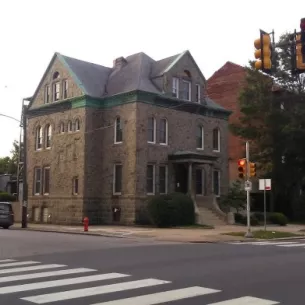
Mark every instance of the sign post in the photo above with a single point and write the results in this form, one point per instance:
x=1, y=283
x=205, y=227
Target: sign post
x=265, y=185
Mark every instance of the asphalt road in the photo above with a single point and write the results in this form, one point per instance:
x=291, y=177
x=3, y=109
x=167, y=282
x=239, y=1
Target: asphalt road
x=63, y=269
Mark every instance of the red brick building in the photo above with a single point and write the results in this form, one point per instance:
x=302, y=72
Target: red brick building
x=223, y=87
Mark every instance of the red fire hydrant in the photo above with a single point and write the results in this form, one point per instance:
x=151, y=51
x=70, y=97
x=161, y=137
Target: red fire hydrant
x=86, y=224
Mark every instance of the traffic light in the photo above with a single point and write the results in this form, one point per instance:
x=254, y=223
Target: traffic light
x=252, y=169
x=263, y=52
x=300, y=48
x=242, y=168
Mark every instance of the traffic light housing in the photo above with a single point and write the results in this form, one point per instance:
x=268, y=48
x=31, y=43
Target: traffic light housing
x=252, y=169
x=263, y=52
x=242, y=168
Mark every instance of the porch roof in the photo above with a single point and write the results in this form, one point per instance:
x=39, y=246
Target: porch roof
x=191, y=156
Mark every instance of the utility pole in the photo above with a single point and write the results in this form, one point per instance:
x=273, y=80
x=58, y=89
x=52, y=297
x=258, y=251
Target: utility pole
x=24, y=178
x=249, y=233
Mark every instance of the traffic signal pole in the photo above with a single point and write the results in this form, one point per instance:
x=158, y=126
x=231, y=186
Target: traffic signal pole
x=249, y=233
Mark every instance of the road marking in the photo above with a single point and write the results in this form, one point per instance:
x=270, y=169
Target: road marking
x=296, y=245
x=30, y=276
x=162, y=297
x=25, y=269
x=59, y=283
x=266, y=243
x=7, y=260
x=19, y=264
x=246, y=301
x=85, y=292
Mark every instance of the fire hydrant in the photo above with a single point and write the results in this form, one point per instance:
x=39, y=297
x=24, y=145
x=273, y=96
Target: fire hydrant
x=86, y=224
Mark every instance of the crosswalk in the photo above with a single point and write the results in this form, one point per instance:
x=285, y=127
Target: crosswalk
x=29, y=281
x=300, y=243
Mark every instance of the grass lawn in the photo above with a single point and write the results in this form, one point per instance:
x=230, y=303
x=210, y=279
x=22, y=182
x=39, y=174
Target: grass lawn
x=265, y=234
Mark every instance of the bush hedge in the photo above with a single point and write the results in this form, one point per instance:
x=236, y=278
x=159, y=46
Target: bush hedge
x=258, y=218
x=171, y=210
x=7, y=197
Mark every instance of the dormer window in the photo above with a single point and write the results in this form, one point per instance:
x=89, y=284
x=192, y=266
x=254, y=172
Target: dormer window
x=56, y=91
x=186, y=90
x=65, y=89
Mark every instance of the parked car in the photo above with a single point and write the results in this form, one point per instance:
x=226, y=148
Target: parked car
x=6, y=215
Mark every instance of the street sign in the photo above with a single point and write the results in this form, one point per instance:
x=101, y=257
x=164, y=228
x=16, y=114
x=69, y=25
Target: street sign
x=265, y=184
x=248, y=185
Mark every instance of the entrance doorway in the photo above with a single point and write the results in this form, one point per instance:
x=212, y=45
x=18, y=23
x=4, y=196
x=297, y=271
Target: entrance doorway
x=181, y=178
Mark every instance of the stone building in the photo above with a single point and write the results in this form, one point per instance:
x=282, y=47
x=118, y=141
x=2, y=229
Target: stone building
x=101, y=140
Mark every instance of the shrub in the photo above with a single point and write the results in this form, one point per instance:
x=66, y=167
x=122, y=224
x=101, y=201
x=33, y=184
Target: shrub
x=260, y=216
x=175, y=209
x=278, y=218
x=7, y=197
x=242, y=219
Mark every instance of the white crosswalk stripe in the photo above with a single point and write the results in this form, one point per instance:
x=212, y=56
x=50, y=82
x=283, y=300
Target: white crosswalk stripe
x=18, y=264
x=89, y=287
x=7, y=260
x=285, y=244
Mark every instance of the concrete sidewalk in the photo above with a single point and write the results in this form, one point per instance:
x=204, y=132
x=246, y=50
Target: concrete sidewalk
x=191, y=235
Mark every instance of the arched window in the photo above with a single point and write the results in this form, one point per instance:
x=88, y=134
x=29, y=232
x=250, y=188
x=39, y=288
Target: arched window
x=62, y=127
x=70, y=126
x=216, y=139
x=77, y=125
x=200, y=137
x=163, y=132
x=55, y=75
x=38, y=140
x=118, y=131
x=151, y=130
x=48, y=135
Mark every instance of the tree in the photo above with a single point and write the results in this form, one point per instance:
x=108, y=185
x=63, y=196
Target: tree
x=275, y=133
x=9, y=164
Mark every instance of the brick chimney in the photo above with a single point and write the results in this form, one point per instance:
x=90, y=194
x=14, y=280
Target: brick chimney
x=119, y=62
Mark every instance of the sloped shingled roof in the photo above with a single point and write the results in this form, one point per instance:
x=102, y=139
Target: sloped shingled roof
x=136, y=73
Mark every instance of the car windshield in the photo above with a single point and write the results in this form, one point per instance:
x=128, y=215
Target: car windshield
x=4, y=207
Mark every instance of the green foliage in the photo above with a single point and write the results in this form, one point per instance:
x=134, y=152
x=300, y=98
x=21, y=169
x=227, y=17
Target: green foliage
x=242, y=219
x=236, y=197
x=278, y=218
x=175, y=209
x=9, y=164
x=7, y=197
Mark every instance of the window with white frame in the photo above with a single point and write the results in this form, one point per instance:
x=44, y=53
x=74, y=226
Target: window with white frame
x=163, y=132
x=199, y=181
x=150, y=179
x=38, y=141
x=200, y=137
x=216, y=139
x=62, y=127
x=197, y=93
x=46, y=181
x=47, y=94
x=216, y=182
x=77, y=125
x=117, y=179
x=37, y=181
x=65, y=89
x=163, y=179
x=75, y=186
x=70, y=126
x=48, y=135
x=186, y=90
x=118, y=131
x=175, y=88
x=151, y=130
x=56, y=91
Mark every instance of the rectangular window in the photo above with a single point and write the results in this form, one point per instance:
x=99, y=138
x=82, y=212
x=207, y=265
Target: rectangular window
x=163, y=179
x=117, y=179
x=216, y=139
x=175, y=91
x=56, y=91
x=163, y=131
x=199, y=181
x=200, y=137
x=216, y=182
x=198, y=93
x=118, y=131
x=186, y=90
x=151, y=130
x=47, y=94
x=150, y=179
x=46, y=181
x=37, y=181
x=65, y=89
x=75, y=186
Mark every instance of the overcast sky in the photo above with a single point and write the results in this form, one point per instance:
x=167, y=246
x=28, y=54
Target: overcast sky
x=99, y=31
